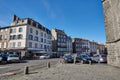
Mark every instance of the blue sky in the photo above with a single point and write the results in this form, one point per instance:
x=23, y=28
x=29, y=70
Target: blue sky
x=78, y=18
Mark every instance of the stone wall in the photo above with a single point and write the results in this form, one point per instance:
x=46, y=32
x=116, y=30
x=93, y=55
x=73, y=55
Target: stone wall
x=112, y=26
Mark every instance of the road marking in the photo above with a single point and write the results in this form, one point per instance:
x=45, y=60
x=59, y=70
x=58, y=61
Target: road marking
x=4, y=67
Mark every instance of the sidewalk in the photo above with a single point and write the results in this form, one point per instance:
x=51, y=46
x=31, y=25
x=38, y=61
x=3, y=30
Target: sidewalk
x=73, y=72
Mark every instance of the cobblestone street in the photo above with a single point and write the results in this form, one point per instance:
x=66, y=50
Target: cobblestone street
x=72, y=72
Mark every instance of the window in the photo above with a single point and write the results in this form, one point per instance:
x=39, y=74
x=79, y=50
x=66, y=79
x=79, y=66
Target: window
x=36, y=32
x=36, y=38
x=31, y=30
x=11, y=30
x=34, y=24
x=45, y=35
x=44, y=40
x=19, y=44
x=11, y=37
x=41, y=39
x=30, y=37
x=36, y=45
x=41, y=46
x=4, y=44
x=10, y=45
x=14, y=30
x=30, y=44
x=45, y=47
x=41, y=34
x=29, y=22
x=14, y=37
x=14, y=44
x=20, y=36
x=20, y=29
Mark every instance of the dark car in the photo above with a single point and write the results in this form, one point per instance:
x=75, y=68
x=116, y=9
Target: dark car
x=4, y=58
x=67, y=58
x=84, y=58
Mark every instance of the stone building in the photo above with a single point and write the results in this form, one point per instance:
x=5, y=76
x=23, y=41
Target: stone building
x=93, y=47
x=4, y=38
x=77, y=45
x=60, y=41
x=81, y=45
x=112, y=25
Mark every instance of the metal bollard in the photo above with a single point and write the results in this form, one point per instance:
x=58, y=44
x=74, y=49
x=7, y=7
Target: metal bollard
x=48, y=64
x=26, y=70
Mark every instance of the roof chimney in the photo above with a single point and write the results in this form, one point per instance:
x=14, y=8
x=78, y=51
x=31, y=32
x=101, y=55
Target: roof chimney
x=15, y=18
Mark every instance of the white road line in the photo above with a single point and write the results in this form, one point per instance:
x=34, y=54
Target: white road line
x=1, y=67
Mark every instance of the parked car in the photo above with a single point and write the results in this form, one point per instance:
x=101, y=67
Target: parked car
x=100, y=58
x=68, y=58
x=4, y=58
x=84, y=58
x=45, y=56
x=13, y=58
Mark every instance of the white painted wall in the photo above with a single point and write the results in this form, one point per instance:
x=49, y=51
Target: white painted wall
x=23, y=41
x=39, y=38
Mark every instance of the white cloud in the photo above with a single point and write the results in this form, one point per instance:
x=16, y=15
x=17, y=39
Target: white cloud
x=49, y=9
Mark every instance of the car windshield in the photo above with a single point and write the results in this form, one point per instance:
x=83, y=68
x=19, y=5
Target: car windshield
x=13, y=55
x=4, y=55
x=85, y=56
x=68, y=56
x=103, y=55
x=45, y=55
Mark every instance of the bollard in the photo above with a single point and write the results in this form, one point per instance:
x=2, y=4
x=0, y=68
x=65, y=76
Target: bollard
x=26, y=70
x=90, y=62
x=74, y=60
x=59, y=61
x=48, y=64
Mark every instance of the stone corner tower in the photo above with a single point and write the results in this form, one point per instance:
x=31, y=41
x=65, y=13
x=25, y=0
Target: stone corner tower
x=112, y=25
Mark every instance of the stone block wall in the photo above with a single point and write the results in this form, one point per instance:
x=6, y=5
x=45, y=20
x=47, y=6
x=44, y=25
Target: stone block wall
x=112, y=25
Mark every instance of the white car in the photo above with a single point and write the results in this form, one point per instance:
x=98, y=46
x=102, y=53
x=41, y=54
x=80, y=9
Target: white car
x=45, y=56
x=13, y=58
x=99, y=58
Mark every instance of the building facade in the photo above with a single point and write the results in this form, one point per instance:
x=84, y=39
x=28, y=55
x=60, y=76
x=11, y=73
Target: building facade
x=4, y=38
x=61, y=42
x=93, y=47
x=76, y=42
x=81, y=45
x=69, y=45
x=28, y=36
